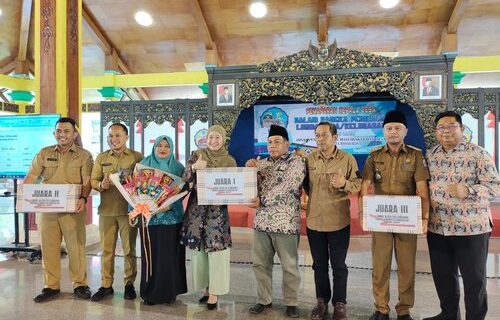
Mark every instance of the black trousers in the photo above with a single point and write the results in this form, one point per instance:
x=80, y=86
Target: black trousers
x=330, y=246
x=448, y=254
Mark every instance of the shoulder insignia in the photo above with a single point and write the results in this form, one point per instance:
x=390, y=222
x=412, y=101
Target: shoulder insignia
x=376, y=149
x=414, y=148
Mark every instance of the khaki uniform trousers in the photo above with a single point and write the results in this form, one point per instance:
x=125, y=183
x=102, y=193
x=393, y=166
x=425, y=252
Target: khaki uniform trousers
x=405, y=248
x=53, y=228
x=265, y=246
x=109, y=227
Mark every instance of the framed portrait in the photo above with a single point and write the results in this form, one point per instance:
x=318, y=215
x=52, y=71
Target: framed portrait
x=225, y=94
x=431, y=86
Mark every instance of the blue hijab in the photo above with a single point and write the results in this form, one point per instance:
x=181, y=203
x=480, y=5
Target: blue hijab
x=169, y=164
x=172, y=166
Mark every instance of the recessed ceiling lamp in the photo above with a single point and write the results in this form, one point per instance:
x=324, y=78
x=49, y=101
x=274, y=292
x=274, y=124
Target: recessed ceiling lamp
x=387, y=4
x=143, y=18
x=258, y=9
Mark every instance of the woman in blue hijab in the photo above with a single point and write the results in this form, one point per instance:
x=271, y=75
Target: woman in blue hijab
x=168, y=277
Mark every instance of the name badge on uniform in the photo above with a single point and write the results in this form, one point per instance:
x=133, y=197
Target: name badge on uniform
x=52, y=159
x=406, y=164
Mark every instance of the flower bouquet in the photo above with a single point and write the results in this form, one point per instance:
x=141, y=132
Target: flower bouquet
x=148, y=191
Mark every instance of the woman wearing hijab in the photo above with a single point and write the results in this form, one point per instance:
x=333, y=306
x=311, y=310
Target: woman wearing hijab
x=168, y=277
x=205, y=229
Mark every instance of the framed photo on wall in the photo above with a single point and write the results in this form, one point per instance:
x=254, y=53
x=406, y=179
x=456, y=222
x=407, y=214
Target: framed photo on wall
x=225, y=94
x=431, y=86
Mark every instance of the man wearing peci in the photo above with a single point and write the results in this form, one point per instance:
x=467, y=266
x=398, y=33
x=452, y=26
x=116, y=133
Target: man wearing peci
x=277, y=221
x=63, y=163
x=429, y=89
x=226, y=96
x=395, y=169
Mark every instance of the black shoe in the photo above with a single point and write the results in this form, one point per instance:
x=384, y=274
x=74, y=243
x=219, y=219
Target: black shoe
x=129, y=292
x=437, y=317
x=292, y=311
x=203, y=299
x=149, y=303
x=259, y=307
x=82, y=292
x=379, y=316
x=101, y=293
x=404, y=317
x=46, y=294
x=211, y=306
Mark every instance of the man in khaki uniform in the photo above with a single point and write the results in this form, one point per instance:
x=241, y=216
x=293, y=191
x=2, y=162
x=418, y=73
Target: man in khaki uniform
x=64, y=163
x=113, y=212
x=395, y=169
x=331, y=175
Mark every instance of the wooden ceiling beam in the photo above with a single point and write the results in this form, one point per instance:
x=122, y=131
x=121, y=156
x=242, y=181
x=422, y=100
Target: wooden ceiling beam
x=123, y=68
x=212, y=54
x=448, y=41
x=322, y=21
x=8, y=66
x=95, y=31
x=457, y=15
x=24, y=29
x=106, y=45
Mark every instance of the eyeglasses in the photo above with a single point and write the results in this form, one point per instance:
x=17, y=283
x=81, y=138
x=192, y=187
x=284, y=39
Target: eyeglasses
x=448, y=127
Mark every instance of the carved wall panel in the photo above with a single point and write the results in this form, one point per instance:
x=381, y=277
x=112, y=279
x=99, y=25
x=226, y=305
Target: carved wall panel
x=322, y=90
x=473, y=110
x=426, y=115
x=227, y=119
x=325, y=74
x=325, y=58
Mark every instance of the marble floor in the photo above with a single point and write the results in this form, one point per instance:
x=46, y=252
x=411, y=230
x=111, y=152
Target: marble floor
x=21, y=280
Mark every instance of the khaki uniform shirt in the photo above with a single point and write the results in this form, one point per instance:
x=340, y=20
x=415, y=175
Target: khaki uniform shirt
x=396, y=175
x=328, y=208
x=112, y=202
x=56, y=167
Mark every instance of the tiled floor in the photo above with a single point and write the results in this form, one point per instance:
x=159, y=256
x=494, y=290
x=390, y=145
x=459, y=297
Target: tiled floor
x=20, y=281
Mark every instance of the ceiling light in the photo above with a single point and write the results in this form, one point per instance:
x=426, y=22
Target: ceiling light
x=143, y=18
x=0, y=12
x=258, y=9
x=387, y=4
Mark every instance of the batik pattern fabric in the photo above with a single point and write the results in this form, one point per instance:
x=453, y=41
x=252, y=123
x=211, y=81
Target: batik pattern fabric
x=205, y=227
x=468, y=164
x=279, y=184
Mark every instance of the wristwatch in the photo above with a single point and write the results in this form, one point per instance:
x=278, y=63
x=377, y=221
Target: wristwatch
x=84, y=198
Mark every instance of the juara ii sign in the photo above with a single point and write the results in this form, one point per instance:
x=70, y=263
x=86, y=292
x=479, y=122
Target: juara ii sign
x=48, y=197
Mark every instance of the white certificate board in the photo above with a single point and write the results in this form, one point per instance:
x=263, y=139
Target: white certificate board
x=219, y=186
x=397, y=214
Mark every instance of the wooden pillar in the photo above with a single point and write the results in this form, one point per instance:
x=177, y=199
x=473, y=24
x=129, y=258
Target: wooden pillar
x=58, y=56
x=73, y=58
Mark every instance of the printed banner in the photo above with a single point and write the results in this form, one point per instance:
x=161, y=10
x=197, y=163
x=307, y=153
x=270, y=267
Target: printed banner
x=359, y=124
x=48, y=197
x=398, y=214
x=219, y=186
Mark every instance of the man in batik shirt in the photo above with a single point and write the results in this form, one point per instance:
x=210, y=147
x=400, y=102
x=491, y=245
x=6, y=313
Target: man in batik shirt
x=277, y=220
x=463, y=181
